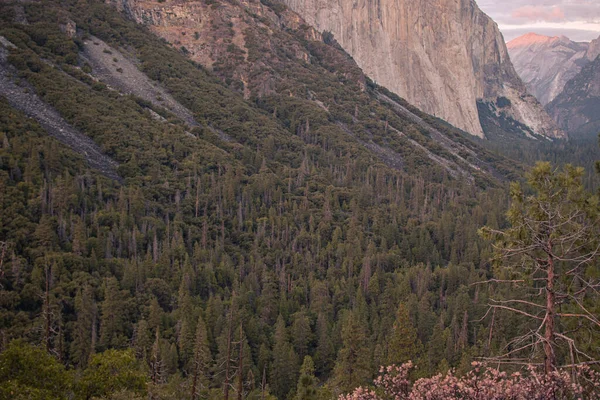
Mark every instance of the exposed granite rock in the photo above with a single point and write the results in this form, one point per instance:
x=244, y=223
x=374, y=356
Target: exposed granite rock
x=593, y=49
x=546, y=64
x=116, y=69
x=69, y=28
x=442, y=56
x=577, y=108
x=218, y=35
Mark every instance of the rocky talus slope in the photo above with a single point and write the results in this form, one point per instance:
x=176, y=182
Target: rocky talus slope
x=443, y=56
x=23, y=98
x=546, y=64
x=115, y=69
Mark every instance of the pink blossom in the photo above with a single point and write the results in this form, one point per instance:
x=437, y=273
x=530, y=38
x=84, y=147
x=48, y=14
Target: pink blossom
x=482, y=383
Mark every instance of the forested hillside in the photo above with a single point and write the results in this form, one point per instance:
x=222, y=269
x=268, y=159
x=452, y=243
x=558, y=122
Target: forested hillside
x=278, y=245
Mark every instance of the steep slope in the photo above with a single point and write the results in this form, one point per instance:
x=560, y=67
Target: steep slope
x=115, y=69
x=577, y=108
x=266, y=51
x=443, y=56
x=21, y=97
x=546, y=64
x=302, y=201
x=593, y=49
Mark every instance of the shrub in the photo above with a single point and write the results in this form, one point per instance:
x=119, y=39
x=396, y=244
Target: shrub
x=482, y=383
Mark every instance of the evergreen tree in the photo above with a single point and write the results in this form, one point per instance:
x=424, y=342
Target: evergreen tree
x=353, y=365
x=404, y=345
x=84, y=331
x=202, y=360
x=284, y=368
x=549, y=256
x=301, y=334
x=325, y=352
x=306, y=389
x=112, y=323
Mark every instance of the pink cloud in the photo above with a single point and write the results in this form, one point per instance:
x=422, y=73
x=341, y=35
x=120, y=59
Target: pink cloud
x=539, y=13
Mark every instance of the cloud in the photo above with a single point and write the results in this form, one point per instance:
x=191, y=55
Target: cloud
x=538, y=13
x=508, y=11
x=577, y=18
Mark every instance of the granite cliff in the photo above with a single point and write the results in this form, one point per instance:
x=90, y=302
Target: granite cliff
x=546, y=64
x=263, y=50
x=443, y=56
x=577, y=108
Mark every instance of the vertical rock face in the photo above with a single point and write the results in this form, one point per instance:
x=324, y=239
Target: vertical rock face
x=593, y=50
x=546, y=64
x=443, y=56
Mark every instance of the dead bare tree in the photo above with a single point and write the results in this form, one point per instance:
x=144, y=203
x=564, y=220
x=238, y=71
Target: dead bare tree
x=201, y=358
x=3, y=250
x=157, y=365
x=546, y=257
x=228, y=359
x=240, y=388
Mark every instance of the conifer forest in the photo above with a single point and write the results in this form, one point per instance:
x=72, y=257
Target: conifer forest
x=172, y=231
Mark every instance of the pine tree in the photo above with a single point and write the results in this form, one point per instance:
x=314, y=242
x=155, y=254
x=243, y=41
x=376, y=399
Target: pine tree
x=202, y=359
x=306, y=388
x=550, y=252
x=353, y=365
x=84, y=332
x=142, y=339
x=285, y=362
x=112, y=324
x=404, y=345
x=301, y=334
x=325, y=352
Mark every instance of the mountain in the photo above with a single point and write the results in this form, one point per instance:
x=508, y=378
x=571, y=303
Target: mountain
x=546, y=64
x=443, y=56
x=577, y=107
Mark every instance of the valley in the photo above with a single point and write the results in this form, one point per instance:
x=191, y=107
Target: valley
x=217, y=199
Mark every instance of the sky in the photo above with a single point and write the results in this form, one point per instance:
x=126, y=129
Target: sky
x=579, y=20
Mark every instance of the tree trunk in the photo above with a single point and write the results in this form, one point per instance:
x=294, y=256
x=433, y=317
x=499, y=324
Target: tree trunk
x=241, y=366
x=195, y=380
x=228, y=360
x=550, y=357
x=264, y=383
x=47, y=311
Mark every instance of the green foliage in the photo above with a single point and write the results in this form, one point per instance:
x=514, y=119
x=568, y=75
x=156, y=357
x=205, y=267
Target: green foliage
x=28, y=372
x=284, y=369
x=353, y=365
x=306, y=389
x=404, y=344
x=551, y=248
x=279, y=199
x=113, y=372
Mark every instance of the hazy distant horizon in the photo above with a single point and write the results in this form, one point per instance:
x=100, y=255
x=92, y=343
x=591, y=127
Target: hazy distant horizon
x=578, y=22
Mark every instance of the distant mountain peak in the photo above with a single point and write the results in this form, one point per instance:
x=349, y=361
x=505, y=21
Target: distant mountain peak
x=547, y=63
x=533, y=38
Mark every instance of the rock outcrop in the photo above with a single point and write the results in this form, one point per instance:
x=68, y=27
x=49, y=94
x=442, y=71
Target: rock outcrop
x=222, y=36
x=546, y=64
x=577, y=108
x=444, y=56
